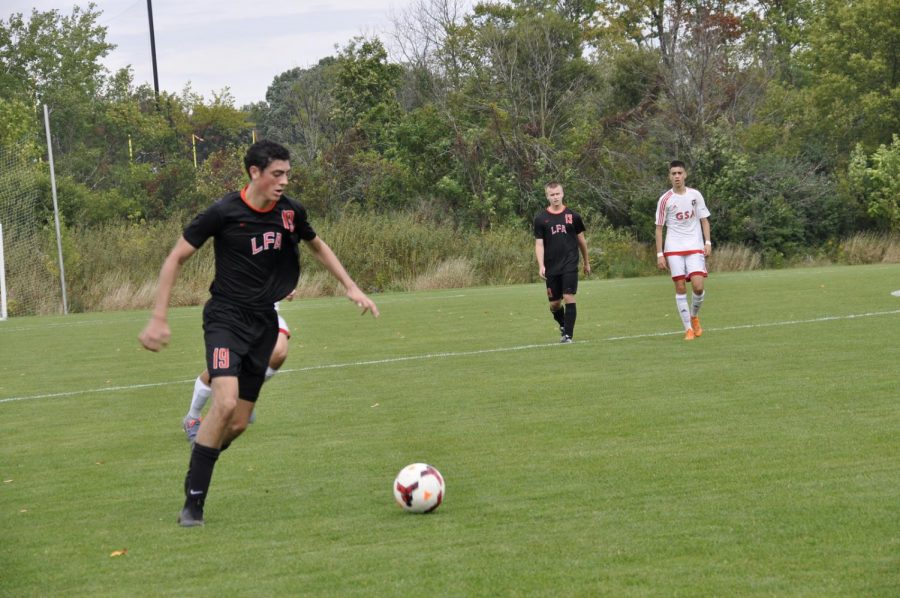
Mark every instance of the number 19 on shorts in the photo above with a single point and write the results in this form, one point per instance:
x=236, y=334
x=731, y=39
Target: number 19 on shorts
x=220, y=358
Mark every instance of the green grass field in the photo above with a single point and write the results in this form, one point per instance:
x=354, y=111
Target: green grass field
x=760, y=459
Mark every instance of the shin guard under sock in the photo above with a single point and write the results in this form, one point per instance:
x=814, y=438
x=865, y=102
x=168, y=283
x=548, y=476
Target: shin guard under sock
x=199, y=474
x=571, y=314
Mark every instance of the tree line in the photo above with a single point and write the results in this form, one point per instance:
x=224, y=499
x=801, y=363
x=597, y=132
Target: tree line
x=787, y=112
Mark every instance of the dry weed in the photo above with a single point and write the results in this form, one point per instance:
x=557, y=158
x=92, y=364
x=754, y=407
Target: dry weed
x=455, y=273
x=734, y=258
x=865, y=248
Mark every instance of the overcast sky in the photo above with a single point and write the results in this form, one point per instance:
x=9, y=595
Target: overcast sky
x=239, y=44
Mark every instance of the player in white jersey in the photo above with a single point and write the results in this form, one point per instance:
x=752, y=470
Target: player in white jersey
x=683, y=212
x=202, y=389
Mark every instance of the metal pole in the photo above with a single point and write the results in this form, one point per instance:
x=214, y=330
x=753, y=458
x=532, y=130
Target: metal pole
x=153, y=51
x=3, y=314
x=62, y=270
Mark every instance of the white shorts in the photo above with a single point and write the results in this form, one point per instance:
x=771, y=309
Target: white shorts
x=685, y=267
x=283, y=327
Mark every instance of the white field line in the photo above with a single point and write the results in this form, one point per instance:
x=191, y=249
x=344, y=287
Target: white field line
x=462, y=354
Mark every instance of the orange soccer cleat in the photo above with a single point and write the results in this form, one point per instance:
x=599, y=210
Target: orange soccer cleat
x=695, y=325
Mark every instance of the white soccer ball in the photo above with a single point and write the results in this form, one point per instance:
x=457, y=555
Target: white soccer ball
x=419, y=488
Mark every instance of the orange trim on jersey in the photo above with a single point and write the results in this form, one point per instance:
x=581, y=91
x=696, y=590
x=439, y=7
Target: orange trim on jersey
x=686, y=252
x=249, y=205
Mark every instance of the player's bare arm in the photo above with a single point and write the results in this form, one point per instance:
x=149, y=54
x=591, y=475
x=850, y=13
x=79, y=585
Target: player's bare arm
x=539, y=254
x=585, y=257
x=327, y=258
x=660, y=258
x=707, y=239
x=156, y=333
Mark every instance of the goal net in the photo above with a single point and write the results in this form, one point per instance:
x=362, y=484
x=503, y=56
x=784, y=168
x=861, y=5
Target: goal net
x=28, y=264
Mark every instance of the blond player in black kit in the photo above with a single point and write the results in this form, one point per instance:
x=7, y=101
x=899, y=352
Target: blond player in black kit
x=256, y=234
x=558, y=239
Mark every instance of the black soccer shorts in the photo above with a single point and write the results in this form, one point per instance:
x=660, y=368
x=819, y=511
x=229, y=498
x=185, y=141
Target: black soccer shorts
x=239, y=343
x=562, y=284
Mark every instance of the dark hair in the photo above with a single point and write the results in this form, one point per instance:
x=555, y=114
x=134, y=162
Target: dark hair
x=677, y=164
x=262, y=153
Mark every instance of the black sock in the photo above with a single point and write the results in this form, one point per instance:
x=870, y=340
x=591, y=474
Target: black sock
x=559, y=316
x=571, y=314
x=199, y=475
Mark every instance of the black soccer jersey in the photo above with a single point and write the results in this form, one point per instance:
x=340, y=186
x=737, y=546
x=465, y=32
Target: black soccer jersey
x=257, y=253
x=560, y=235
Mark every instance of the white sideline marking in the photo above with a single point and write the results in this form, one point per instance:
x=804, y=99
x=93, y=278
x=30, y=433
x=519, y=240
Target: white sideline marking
x=766, y=325
x=462, y=354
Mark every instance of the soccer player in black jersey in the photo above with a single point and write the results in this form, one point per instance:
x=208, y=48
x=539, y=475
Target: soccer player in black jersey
x=256, y=234
x=558, y=238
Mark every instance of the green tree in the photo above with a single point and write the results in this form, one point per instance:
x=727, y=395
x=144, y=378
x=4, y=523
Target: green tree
x=511, y=106
x=854, y=61
x=17, y=127
x=844, y=87
x=222, y=172
x=53, y=59
x=366, y=90
x=875, y=182
x=299, y=108
x=219, y=124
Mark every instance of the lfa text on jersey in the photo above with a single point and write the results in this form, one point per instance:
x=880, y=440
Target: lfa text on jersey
x=270, y=240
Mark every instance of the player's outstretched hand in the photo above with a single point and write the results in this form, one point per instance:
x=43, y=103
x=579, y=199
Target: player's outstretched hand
x=155, y=334
x=362, y=300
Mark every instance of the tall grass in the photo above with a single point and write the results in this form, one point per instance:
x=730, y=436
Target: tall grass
x=870, y=248
x=734, y=258
x=617, y=254
x=115, y=266
x=454, y=273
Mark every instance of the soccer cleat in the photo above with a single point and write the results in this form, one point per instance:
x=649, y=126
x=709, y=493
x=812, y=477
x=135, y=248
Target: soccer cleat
x=191, y=425
x=695, y=325
x=190, y=517
x=565, y=340
x=562, y=330
x=689, y=335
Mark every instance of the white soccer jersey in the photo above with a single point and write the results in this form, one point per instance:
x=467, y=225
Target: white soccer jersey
x=681, y=215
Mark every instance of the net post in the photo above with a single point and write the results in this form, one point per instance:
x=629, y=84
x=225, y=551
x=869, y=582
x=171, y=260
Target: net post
x=62, y=269
x=3, y=312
